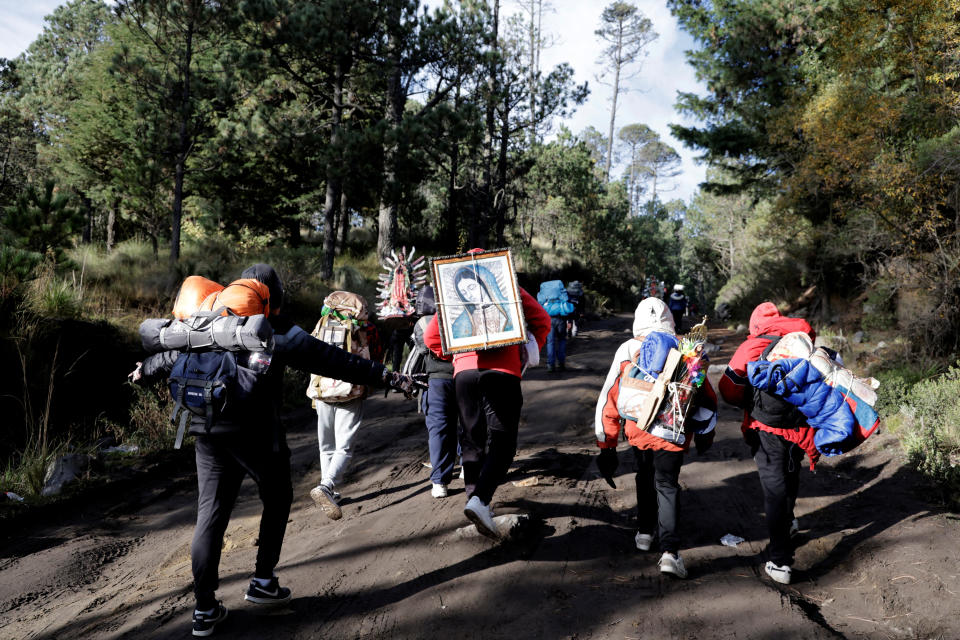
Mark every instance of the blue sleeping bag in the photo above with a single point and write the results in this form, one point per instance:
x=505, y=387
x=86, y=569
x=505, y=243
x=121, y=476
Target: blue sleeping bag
x=799, y=383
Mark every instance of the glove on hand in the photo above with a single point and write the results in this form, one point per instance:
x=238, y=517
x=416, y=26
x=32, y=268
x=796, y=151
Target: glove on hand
x=407, y=385
x=607, y=463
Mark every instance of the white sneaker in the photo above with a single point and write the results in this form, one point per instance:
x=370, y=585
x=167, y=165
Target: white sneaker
x=463, y=475
x=778, y=573
x=672, y=564
x=439, y=490
x=643, y=540
x=481, y=516
x=324, y=497
x=794, y=527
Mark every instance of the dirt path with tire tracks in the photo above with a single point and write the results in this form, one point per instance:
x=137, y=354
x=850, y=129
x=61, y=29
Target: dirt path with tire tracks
x=876, y=558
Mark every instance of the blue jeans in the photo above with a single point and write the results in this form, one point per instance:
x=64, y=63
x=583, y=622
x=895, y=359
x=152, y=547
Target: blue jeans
x=557, y=341
x=442, y=415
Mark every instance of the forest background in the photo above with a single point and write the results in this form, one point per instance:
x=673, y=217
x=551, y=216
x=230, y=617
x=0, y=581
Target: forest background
x=147, y=140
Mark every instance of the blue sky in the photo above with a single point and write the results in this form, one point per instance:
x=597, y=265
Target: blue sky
x=652, y=92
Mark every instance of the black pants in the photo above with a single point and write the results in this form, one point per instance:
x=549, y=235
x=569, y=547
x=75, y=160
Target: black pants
x=778, y=463
x=222, y=462
x=489, y=403
x=658, y=490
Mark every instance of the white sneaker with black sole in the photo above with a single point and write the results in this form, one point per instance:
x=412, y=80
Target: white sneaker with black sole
x=781, y=574
x=643, y=541
x=438, y=490
x=328, y=501
x=672, y=564
x=272, y=593
x=482, y=517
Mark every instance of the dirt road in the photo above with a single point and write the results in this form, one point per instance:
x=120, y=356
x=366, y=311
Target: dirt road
x=876, y=559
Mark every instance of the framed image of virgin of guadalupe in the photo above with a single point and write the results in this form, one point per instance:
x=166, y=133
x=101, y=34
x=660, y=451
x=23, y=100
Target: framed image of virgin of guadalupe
x=478, y=301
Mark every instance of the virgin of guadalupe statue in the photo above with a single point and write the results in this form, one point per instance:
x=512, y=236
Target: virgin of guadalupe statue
x=484, y=310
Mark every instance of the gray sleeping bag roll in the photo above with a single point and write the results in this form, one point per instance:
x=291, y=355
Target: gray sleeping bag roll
x=207, y=331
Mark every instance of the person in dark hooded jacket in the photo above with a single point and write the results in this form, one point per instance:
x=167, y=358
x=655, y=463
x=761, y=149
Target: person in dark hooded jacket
x=776, y=431
x=256, y=445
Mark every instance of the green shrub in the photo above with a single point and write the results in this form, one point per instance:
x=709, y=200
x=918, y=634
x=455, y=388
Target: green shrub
x=930, y=431
x=895, y=385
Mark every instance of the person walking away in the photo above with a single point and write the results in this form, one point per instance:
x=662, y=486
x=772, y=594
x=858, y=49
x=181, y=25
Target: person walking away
x=553, y=298
x=440, y=401
x=254, y=443
x=678, y=306
x=489, y=399
x=658, y=457
x=576, y=297
x=344, y=323
x=776, y=431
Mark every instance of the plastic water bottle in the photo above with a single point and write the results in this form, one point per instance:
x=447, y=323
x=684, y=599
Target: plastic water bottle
x=258, y=361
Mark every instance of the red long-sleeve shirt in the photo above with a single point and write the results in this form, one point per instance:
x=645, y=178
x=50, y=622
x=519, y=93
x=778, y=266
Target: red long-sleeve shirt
x=504, y=359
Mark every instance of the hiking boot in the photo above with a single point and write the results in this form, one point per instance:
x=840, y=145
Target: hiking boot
x=643, y=540
x=439, y=490
x=205, y=621
x=672, y=564
x=778, y=573
x=324, y=497
x=482, y=517
x=273, y=593
x=794, y=527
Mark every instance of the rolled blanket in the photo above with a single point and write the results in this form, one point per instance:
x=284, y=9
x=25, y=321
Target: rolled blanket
x=206, y=331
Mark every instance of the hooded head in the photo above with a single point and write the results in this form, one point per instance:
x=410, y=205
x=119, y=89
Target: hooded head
x=652, y=314
x=267, y=275
x=766, y=319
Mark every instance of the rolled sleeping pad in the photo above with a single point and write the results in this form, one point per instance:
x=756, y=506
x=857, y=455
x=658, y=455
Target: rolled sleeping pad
x=204, y=331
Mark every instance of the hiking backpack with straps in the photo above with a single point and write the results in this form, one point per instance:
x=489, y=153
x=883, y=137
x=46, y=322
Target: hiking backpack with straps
x=643, y=379
x=553, y=297
x=213, y=385
x=343, y=324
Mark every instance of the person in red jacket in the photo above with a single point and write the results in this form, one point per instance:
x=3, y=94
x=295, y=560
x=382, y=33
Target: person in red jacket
x=487, y=385
x=658, y=460
x=776, y=431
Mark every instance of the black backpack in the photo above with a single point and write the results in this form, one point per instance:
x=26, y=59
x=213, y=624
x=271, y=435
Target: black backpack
x=214, y=385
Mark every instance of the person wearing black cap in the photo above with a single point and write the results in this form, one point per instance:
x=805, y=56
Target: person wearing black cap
x=256, y=444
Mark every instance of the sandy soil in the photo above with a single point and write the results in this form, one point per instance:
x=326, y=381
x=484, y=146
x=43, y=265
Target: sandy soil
x=876, y=558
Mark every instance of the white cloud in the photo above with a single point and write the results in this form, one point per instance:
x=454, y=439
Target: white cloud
x=652, y=92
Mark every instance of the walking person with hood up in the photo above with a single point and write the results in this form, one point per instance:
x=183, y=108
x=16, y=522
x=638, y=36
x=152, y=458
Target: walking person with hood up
x=487, y=385
x=658, y=457
x=254, y=443
x=678, y=306
x=776, y=431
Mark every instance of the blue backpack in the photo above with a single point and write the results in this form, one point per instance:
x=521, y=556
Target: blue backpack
x=638, y=378
x=214, y=385
x=553, y=298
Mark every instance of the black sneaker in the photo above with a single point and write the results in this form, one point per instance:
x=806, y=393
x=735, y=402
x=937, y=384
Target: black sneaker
x=270, y=594
x=203, y=622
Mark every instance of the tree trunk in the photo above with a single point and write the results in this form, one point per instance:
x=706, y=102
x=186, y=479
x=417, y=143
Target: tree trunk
x=344, y=221
x=396, y=98
x=500, y=196
x=111, y=223
x=331, y=204
x=613, y=104
x=183, y=148
x=493, y=97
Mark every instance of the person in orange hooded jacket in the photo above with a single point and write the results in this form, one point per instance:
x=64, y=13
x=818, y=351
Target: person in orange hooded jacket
x=658, y=460
x=778, y=434
x=488, y=396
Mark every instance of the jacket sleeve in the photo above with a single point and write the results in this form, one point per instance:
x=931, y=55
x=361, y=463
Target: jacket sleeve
x=431, y=336
x=536, y=317
x=157, y=366
x=734, y=385
x=305, y=353
x=623, y=353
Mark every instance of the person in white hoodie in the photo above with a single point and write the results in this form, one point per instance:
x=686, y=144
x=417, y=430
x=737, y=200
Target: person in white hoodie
x=658, y=459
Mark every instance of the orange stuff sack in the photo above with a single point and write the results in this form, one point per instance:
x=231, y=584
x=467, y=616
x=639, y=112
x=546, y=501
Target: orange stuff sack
x=244, y=297
x=193, y=292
